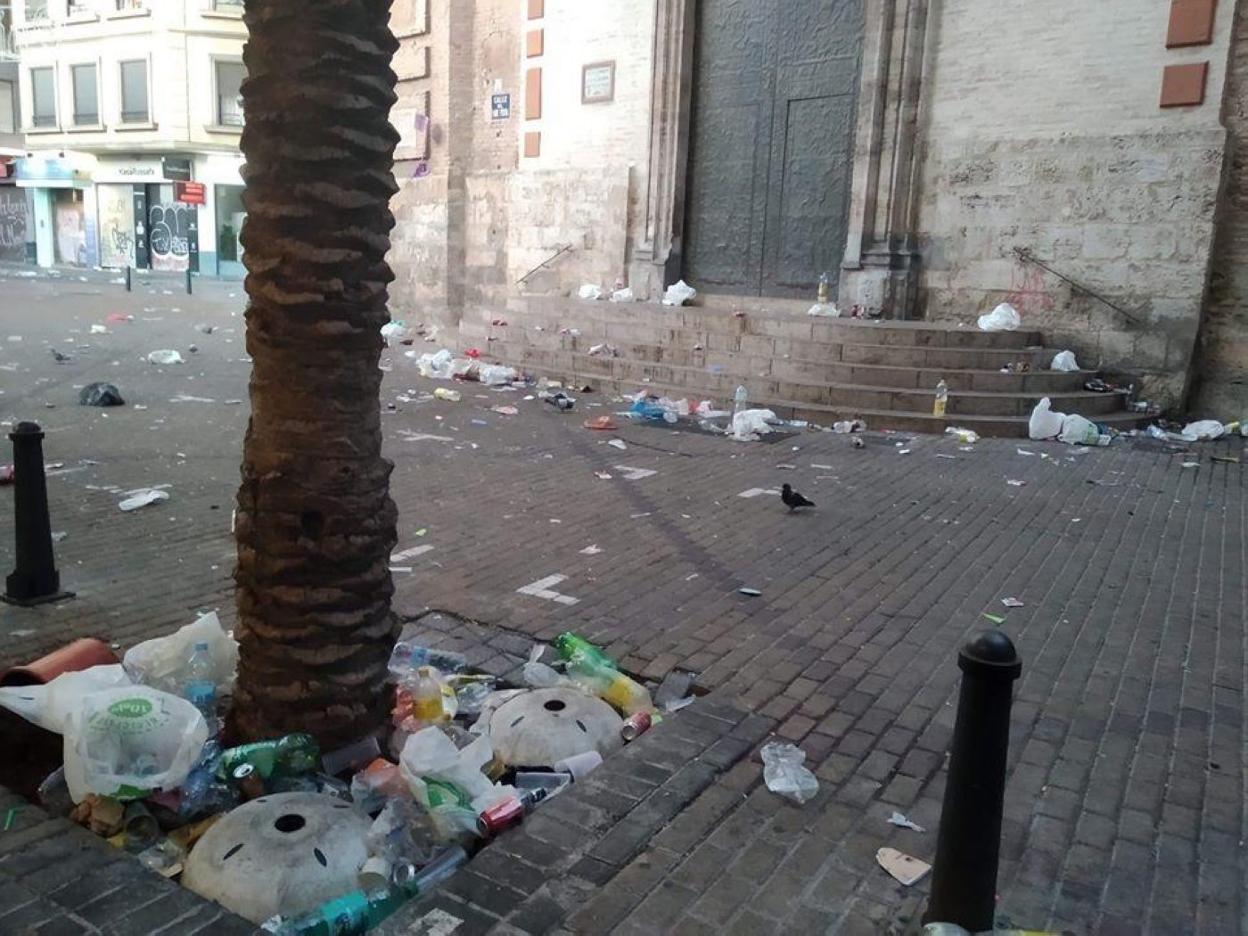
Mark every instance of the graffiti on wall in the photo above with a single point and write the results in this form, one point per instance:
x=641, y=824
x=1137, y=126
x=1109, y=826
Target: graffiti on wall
x=116, y=225
x=71, y=237
x=12, y=224
x=169, y=235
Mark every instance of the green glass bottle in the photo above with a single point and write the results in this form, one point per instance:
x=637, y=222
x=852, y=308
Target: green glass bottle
x=287, y=756
x=573, y=648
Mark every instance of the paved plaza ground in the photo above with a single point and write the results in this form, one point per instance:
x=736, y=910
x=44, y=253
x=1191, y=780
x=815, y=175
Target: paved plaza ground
x=1125, y=800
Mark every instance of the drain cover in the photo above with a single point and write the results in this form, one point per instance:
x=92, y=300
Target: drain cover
x=537, y=727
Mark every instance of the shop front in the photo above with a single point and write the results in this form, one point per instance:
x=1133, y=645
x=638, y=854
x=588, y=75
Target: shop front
x=141, y=221
x=64, y=208
x=223, y=212
x=13, y=214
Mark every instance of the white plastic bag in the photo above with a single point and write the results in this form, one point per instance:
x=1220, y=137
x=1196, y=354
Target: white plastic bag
x=1077, y=430
x=679, y=293
x=784, y=773
x=590, y=291
x=1045, y=424
x=438, y=366
x=496, y=375
x=128, y=742
x=825, y=310
x=623, y=295
x=1205, y=430
x=49, y=706
x=447, y=781
x=1003, y=318
x=393, y=330
x=164, y=357
x=1064, y=361
x=748, y=425
x=143, y=498
x=161, y=662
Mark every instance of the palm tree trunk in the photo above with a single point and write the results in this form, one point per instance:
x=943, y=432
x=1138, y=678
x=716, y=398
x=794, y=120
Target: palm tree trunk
x=315, y=523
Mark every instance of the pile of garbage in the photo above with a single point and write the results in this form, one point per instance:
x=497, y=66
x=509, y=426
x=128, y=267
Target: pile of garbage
x=741, y=423
x=304, y=841
x=443, y=365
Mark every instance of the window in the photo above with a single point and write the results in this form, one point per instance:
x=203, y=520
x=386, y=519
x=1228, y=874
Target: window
x=36, y=10
x=43, y=97
x=230, y=77
x=8, y=108
x=134, y=92
x=228, y=6
x=131, y=4
x=86, y=95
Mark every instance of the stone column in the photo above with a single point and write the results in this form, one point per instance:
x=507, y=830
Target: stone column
x=656, y=258
x=881, y=260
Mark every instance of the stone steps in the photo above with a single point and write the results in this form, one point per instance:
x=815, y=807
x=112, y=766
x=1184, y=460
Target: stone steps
x=805, y=368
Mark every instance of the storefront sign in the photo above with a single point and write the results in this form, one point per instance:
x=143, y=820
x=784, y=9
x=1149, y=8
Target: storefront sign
x=45, y=172
x=500, y=106
x=190, y=193
x=176, y=168
x=128, y=171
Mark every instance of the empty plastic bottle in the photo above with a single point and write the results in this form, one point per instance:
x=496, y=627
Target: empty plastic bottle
x=942, y=399
x=286, y=756
x=408, y=657
x=200, y=688
x=570, y=646
x=825, y=288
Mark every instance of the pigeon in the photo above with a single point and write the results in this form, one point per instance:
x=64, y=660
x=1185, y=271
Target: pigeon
x=60, y=358
x=793, y=500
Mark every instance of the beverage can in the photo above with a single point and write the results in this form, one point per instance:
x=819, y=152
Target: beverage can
x=635, y=726
x=501, y=816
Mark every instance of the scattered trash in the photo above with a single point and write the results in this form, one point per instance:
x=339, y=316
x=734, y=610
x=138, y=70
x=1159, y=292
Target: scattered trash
x=784, y=773
x=100, y=394
x=601, y=423
x=164, y=357
x=590, y=291
x=906, y=869
x=1191, y=464
x=824, y=310
x=619, y=444
x=1003, y=318
x=1014, y=483
x=1205, y=430
x=209, y=329
x=1224, y=459
x=679, y=294
x=391, y=330
x=505, y=410
x=898, y=819
x=1096, y=385
x=846, y=426
x=1044, y=422
x=1012, y=603
x=143, y=498
x=749, y=592
x=609, y=350
x=560, y=400
x=1078, y=430
x=749, y=424
x=1064, y=361
x=450, y=396
x=162, y=663
x=995, y=618
x=591, y=550
x=857, y=443
x=603, y=475
x=964, y=436
x=118, y=318
x=623, y=295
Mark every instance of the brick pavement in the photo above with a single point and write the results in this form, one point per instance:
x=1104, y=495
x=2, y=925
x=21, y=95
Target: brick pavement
x=1124, y=809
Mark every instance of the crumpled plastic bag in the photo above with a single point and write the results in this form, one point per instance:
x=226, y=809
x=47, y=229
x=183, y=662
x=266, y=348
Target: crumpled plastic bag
x=100, y=394
x=439, y=366
x=496, y=375
x=1045, y=423
x=748, y=425
x=1003, y=318
x=590, y=291
x=1064, y=361
x=49, y=706
x=1078, y=430
x=164, y=356
x=129, y=742
x=784, y=773
x=1204, y=430
x=679, y=293
x=161, y=662
x=447, y=781
x=824, y=310
x=539, y=675
x=623, y=295
x=393, y=330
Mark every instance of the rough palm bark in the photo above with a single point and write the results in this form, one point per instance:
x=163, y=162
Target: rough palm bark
x=315, y=523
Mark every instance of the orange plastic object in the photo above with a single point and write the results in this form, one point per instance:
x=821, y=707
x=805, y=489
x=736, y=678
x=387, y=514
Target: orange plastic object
x=81, y=654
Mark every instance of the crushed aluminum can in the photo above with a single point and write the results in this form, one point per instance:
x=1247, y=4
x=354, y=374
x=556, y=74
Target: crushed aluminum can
x=635, y=726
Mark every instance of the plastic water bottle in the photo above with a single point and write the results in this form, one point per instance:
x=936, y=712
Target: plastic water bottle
x=200, y=688
x=825, y=284
x=740, y=400
x=942, y=399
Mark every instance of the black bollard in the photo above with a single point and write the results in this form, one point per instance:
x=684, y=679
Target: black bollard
x=35, y=580
x=127, y=278
x=964, y=876
x=188, y=282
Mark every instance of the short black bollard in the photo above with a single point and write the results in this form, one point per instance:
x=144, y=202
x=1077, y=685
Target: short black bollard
x=35, y=580
x=188, y=282
x=127, y=279
x=964, y=876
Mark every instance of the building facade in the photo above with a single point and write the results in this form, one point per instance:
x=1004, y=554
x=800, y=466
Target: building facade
x=934, y=158
x=132, y=118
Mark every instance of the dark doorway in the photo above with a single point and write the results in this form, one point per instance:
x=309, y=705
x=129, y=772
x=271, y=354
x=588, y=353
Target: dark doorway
x=771, y=144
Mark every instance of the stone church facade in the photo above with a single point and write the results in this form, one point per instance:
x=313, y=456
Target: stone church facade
x=933, y=157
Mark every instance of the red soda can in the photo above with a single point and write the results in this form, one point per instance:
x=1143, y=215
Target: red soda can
x=636, y=726
x=500, y=816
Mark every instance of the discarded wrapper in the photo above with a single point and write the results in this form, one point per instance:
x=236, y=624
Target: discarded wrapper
x=905, y=868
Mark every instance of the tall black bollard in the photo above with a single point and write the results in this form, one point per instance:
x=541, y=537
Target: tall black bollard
x=127, y=278
x=35, y=580
x=964, y=877
x=188, y=282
